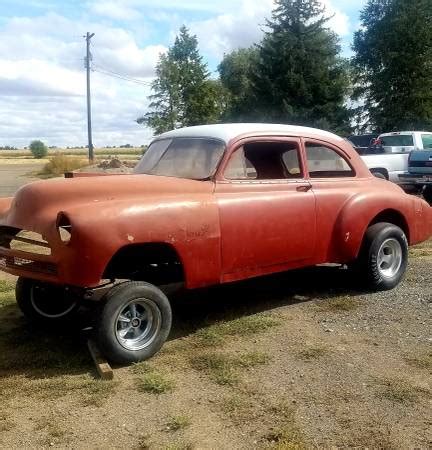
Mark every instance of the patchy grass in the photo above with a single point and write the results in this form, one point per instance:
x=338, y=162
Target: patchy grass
x=55, y=431
x=59, y=164
x=7, y=293
x=7, y=298
x=97, y=392
x=141, y=368
x=220, y=368
x=176, y=423
x=89, y=392
x=151, y=380
x=422, y=361
x=338, y=304
x=154, y=382
x=5, y=423
x=401, y=391
x=6, y=286
x=143, y=442
x=239, y=409
x=287, y=435
x=420, y=252
x=252, y=359
x=285, y=438
x=224, y=369
x=215, y=334
x=180, y=446
x=312, y=352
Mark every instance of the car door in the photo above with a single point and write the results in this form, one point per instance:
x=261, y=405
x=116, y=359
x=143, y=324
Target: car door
x=266, y=206
x=333, y=181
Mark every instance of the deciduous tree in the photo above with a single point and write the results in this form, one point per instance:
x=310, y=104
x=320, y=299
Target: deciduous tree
x=393, y=63
x=235, y=72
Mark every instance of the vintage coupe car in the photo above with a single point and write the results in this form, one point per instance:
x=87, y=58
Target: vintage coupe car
x=206, y=205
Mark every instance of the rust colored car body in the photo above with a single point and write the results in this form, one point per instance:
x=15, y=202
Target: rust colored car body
x=221, y=230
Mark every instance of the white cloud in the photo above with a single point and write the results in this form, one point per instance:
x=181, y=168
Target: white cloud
x=114, y=10
x=243, y=22
x=37, y=77
x=42, y=82
x=340, y=22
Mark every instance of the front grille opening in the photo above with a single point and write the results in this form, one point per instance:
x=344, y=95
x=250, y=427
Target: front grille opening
x=14, y=262
x=30, y=242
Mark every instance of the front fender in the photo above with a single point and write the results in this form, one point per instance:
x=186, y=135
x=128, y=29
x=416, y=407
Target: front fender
x=191, y=227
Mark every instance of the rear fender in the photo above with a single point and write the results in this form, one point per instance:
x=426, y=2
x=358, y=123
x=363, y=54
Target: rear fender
x=358, y=213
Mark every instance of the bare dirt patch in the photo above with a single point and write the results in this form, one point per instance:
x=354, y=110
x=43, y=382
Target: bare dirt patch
x=291, y=361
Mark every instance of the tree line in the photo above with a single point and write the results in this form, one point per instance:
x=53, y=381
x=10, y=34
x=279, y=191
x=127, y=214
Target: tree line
x=297, y=74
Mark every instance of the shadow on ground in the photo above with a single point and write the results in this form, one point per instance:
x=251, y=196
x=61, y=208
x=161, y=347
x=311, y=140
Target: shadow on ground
x=43, y=352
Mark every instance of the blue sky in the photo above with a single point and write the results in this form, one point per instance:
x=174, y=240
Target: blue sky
x=42, y=78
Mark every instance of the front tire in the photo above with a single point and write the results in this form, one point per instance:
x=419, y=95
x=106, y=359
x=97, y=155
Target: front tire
x=134, y=323
x=383, y=257
x=44, y=302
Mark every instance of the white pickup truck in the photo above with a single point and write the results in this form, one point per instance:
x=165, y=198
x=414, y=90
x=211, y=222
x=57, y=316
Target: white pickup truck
x=388, y=156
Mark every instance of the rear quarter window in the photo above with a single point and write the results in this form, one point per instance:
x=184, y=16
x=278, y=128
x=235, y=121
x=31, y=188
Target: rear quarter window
x=324, y=162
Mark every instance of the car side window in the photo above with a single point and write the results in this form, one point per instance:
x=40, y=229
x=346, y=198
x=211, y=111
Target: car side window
x=427, y=141
x=324, y=162
x=264, y=161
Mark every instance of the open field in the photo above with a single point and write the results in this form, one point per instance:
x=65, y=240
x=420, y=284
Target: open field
x=291, y=361
x=99, y=152
x=15, y=172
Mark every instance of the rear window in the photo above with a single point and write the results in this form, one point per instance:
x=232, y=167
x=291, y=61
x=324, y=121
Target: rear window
x=427, y=141
x=397, y=140
x=362, y=140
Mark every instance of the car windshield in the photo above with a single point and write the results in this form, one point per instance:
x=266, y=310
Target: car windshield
x=398, y=140
x=194, y=158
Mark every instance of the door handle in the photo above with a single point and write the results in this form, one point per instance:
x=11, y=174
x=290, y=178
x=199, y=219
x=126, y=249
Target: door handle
x=304, y=188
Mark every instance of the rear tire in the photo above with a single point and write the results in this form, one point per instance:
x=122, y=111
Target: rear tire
x=427, y=193
x=383, y=257
x=44, y=302
x=134, y=323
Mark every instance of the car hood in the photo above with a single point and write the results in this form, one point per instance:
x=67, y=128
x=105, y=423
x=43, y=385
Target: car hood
x=51, y=196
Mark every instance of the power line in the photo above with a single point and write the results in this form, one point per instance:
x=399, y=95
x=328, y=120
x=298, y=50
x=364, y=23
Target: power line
x=109, y=72
x=100, y=69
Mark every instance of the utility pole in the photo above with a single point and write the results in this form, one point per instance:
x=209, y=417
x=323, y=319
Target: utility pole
x=88, y=58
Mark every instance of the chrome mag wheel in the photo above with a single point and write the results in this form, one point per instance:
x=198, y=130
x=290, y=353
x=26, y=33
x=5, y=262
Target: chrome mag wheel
x=138, y=324
x=390, y=257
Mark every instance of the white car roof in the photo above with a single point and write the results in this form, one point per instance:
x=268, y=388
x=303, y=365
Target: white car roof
x=396, y=133
x=228, y=131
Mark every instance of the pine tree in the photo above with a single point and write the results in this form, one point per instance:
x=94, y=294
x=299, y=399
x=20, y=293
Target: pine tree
x=393, y=62
x=183, y=93
x=300, y=77
x=235, y=72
